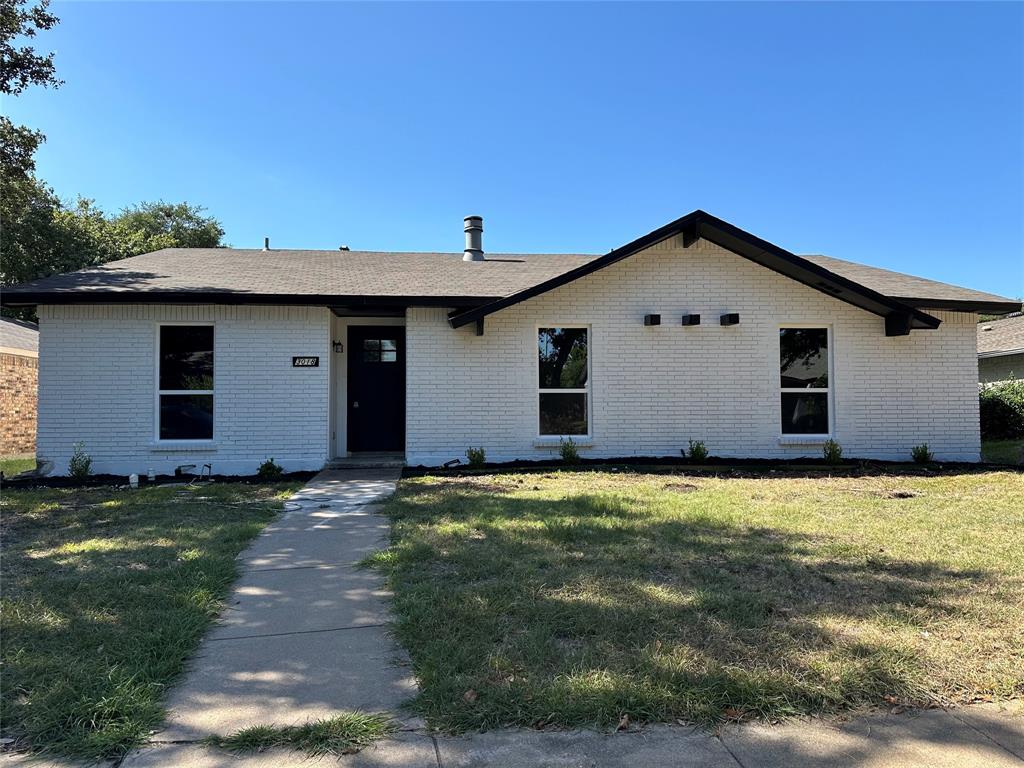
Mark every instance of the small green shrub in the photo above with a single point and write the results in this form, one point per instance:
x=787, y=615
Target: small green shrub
x=921, y=454
x=698, y=452
x=269, y=470
x=1002, y=410
x=80, y=466
x=832, y=451
x=568, y=450
x=476, y=456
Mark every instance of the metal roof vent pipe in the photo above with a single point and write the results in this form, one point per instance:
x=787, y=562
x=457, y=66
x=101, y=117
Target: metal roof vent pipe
x=474, y=226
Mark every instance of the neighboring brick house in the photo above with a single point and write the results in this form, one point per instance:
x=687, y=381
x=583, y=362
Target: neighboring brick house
x=19, y=379
x=697, y=330
x=1001, y=349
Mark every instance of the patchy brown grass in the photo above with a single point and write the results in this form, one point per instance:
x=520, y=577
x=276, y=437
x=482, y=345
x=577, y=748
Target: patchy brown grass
x=573, y=598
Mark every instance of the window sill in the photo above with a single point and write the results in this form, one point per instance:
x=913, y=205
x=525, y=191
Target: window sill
x=804, y=439
x=174, y=446
x=555, y=442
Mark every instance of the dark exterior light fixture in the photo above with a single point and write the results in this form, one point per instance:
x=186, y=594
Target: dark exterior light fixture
x=652, y=319
x=691, y=319
x=731, y=318
x=338, y=346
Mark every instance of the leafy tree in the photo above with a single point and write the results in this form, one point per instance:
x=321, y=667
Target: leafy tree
x=21, y=66
x=152, y=226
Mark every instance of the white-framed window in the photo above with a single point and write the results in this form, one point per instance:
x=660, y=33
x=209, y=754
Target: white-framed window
x=805, y=379
x=563, y=381
x=184, y=381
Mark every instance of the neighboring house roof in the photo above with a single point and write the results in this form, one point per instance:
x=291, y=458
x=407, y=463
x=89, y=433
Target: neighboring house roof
x=18, y=336
x=476, y=288
x=1001, y=337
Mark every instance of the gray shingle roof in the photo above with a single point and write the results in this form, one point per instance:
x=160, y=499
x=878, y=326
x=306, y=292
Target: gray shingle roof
x=250, y=274
x=18, y=334
x=1001, y=337
x=898, y=285
x=314, y=273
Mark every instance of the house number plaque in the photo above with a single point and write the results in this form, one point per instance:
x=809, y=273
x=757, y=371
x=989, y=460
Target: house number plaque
x=305, y=362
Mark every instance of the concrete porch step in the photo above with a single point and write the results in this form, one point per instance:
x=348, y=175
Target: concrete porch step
x=368, y=460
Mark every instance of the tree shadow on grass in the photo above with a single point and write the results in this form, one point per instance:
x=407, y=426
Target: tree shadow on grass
x=574, y=611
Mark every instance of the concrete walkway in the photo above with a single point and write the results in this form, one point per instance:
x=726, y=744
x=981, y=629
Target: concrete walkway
x=304, y=633
x=980, y=736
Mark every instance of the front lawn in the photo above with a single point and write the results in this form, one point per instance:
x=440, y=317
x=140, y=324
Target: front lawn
x=12, y=465
x=575, y=598
x=105, y=595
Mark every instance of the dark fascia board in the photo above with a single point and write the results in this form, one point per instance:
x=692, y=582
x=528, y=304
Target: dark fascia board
x=14, y=298
x=964, y=305
x=701, y=224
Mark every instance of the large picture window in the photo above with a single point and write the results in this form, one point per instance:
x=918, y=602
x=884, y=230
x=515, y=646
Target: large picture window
x=564, y=386
x=185, y=386
x=804, y=379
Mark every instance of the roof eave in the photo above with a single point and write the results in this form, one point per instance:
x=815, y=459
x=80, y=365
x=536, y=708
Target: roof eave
x=993, y=307
x=16, y=298
x=1001, y=353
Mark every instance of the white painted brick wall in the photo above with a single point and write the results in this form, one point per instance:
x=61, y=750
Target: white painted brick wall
x=655, y=388
x=98, y=373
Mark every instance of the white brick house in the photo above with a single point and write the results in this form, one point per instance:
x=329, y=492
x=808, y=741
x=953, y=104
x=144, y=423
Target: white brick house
x=228, y=357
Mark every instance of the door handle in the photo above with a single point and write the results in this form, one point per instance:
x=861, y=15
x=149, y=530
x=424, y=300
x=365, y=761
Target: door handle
x=355, y=403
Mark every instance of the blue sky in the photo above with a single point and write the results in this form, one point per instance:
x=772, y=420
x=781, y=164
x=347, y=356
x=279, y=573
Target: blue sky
x=891, y=134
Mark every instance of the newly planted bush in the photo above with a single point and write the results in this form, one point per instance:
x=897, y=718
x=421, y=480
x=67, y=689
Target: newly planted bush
x=80, y=465
x=269, y=470
x=832, y=452
x=921, y=454
x=568, y=450
x=476, y=456
x=698, y=452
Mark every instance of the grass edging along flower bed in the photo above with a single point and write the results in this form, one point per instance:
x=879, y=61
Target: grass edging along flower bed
x=100, y=481
x=107, y=592
x=570, y=598
x=712, y=465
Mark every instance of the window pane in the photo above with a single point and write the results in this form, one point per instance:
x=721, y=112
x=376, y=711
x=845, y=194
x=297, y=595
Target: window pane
x=804, y=414
x=563, y=414
x=563, y=358
x=388, y=355
x=803, y=357
x=386, y=344
x=186, y=357
x=186, y=417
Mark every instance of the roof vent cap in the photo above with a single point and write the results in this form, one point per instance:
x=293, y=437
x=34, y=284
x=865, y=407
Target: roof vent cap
x=474, y=228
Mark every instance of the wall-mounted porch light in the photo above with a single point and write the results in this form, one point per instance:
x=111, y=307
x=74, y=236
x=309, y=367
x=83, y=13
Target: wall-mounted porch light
x=338, y=346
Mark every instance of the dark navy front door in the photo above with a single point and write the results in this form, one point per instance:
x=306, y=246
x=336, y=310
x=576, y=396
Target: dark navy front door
x=376, y=388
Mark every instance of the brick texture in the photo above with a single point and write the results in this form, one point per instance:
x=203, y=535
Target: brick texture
x=98, y=376
x=19, y=379
x=655, y=388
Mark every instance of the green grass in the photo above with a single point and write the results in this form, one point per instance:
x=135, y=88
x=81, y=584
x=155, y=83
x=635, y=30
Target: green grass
x=1003, y=451
x=339, y=735
x=106, y=593
x=572, y=598
x=12, y=465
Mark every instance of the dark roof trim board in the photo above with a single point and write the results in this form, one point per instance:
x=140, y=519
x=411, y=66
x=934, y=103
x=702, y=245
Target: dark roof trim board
x=700, y=224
